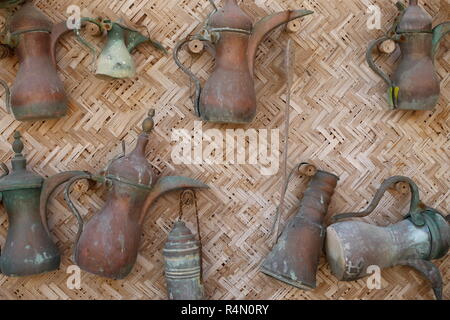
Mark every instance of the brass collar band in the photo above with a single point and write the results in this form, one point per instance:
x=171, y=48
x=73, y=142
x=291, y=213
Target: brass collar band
x=128, y=182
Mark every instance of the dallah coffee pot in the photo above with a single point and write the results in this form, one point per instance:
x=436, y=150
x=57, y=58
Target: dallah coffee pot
x=229, y=94
x=183, y=257
x=424, y=235
x=115, y=60
x=37, y=92
x=29, y=248
x=415, y=83
x=295, y=257
x=107, y=245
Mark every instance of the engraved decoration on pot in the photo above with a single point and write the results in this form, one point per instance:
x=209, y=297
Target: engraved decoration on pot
x=423, y=235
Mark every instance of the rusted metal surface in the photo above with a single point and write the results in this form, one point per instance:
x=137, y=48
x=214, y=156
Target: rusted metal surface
x=183, y=258
x=229, y=94
x=415, y=84
x=37, y=92
x=115, y=60
x=424, y=235
x=107, y=245
x=295, y=257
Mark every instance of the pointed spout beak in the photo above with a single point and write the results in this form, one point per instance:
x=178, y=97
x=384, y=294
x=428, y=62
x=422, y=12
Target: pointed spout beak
x=167, y=184
x=266, y=25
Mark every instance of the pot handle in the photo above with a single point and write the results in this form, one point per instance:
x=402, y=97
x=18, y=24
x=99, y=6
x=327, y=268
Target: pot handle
x=194, y=78
x=75, y=212
x=393, y=90
x=102, y=25
x=429, y=271
x=49, y=187
x=8, y=95
x=415, y=208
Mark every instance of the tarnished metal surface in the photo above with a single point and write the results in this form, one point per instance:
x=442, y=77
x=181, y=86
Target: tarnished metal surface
x=28, y=248
x=229, y=94
x=353, y=246
x=107, y=245
x=115, y=60
x=10, y=3
x=37, y=92
x=183, y=258
x=415, y=84
x=295, y=257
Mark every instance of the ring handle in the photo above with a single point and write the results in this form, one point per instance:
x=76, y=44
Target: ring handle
x=415, y=207
x=194, y=78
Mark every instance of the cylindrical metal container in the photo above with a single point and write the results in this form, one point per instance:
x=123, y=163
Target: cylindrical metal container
x=182, y=256
x=295, y=257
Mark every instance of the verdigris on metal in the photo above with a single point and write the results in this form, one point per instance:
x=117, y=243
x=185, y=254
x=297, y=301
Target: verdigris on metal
x=107, y=245
x=415, y=84
x=115, y=60
x=229, y=94
x=295, y=257
x=29, y=248
x=424, y=235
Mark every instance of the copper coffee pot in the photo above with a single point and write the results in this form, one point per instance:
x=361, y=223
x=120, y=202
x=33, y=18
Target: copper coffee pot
x=29, y=248
x=424, y=235
x=108, y=244
x=229, y=94
x=37, y=92
x=415, y=84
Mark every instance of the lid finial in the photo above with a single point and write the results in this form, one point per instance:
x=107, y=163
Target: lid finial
x=17, y=145
x=148, y=124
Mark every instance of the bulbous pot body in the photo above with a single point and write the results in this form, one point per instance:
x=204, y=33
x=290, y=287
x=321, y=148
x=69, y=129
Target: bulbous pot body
x=28, y=248
x=109, y=243
x=415, y=76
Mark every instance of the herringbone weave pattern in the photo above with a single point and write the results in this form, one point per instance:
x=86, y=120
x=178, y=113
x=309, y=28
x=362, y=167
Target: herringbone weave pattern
x=339, y=121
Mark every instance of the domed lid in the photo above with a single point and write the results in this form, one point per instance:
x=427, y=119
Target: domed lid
x=181, y=236
x=231, y=16
x=134, y=169
x=415, y=18
x=19, y=178
x=29, y=18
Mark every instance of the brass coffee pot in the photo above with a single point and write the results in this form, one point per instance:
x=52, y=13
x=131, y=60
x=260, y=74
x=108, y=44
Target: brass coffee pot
x=415, y=84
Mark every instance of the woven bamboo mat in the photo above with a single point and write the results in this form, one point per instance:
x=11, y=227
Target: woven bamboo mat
x=339, y=121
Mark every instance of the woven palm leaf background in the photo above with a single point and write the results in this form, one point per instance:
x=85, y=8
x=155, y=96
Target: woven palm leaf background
x=339, y=121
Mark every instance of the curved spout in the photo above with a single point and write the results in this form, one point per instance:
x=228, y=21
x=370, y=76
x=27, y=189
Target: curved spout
x=266, y=25
x=438, y=33
x=49, y=187
x=165, y=185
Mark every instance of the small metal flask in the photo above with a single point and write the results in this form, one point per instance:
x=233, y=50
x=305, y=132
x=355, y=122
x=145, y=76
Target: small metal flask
x=183, y=258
